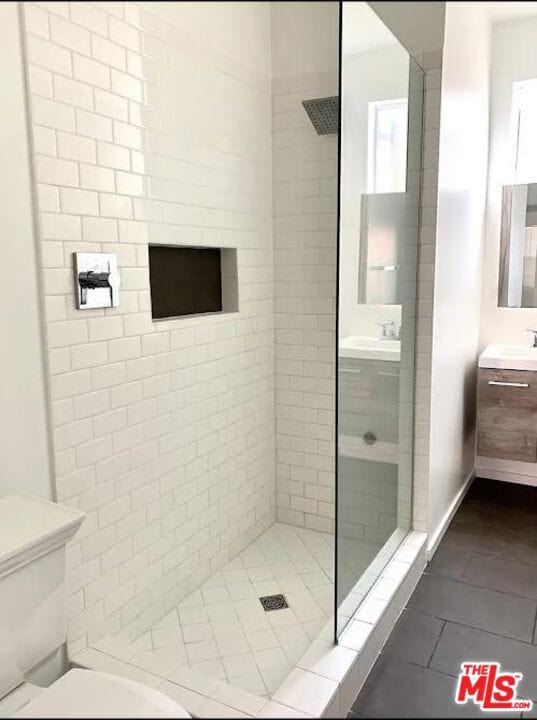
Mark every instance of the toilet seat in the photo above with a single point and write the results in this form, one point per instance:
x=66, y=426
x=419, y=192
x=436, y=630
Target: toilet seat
x=91, y=694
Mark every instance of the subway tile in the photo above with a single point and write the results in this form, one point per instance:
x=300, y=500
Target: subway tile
x=56, y=226
x=47, y=55
x=53, y=114
x=93, y=177
x=113, y=156
x=111, y=105
x=104, y=140
x=90, y=71
x=128, y=135
x=84, y=356
x=93, y=126
x=69, y=35
x=79, y=202
x=74, y=93
x=74, y=147
x=90, y=17
x=126, y=85
x=124, y=34
x=129, y=183
x=108, y=52
x=115, y=206
x=98, y=229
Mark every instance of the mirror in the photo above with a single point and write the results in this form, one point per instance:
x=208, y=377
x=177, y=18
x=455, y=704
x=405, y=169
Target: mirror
x=518, y=247
x=381, y=224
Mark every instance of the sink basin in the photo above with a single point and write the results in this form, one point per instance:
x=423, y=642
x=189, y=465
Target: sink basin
x=369, y=348
x=509, y=357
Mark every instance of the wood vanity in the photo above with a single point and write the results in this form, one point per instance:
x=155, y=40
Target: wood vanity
x=507, y=414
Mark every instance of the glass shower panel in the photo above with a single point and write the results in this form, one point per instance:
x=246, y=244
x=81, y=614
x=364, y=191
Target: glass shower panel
x=381, y=137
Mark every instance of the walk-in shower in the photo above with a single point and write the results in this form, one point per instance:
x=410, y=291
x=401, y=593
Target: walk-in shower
x=238, y=430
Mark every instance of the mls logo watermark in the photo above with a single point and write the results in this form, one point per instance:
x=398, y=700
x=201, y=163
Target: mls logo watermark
x=484, y=684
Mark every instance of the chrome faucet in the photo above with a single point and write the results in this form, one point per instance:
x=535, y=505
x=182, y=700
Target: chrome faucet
x=389, y=331
x=534, y=336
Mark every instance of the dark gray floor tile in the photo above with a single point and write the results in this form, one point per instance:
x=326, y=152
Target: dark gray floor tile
x=414, y=637
x=458, y=644
x=502, y=574
x=475, y=606
x=472, y=513
x=522, y=551
x=448, y=561
x=478, y=538
x=397, y=689
x=515, y=519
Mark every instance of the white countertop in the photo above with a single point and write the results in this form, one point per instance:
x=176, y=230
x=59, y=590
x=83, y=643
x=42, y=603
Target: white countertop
x=370, y=348
x=509, y=357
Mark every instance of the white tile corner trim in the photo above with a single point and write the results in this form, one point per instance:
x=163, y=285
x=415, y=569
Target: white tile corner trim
x=324, y=681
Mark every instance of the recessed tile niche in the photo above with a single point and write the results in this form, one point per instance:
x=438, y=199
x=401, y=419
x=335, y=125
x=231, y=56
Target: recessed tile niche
x=186, y=280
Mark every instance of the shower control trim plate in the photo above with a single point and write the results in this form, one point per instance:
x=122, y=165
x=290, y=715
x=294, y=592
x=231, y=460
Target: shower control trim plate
x=97, y=280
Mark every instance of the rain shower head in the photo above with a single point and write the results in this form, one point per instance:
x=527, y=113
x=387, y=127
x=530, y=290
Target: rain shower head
x=324, y=114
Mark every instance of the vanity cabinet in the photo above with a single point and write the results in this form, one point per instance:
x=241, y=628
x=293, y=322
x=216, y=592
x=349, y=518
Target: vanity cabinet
x=507, y=415
x=369, y=399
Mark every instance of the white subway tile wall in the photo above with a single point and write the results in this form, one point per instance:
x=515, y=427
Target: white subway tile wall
x=431, y=62
x=151, y=124
x=305, y=241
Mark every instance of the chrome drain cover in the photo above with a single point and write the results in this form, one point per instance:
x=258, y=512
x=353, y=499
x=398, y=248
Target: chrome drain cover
x=273, y=602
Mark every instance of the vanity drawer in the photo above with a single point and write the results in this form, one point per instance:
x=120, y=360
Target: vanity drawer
x=507, y=415
x=503, y=380
x=506, y=445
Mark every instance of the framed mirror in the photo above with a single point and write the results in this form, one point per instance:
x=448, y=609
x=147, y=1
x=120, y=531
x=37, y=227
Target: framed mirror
x=517, y=287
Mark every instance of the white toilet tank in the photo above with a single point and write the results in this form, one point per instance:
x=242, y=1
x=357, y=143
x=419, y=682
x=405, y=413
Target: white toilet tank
x=33, y=534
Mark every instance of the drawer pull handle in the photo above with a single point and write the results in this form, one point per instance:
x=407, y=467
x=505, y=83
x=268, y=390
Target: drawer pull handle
x=509, y=384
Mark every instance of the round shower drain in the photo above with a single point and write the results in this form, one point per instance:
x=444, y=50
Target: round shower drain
x=273, y=602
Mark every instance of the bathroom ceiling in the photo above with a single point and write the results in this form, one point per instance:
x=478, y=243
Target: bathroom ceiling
x=419, y=26
x=363, y=30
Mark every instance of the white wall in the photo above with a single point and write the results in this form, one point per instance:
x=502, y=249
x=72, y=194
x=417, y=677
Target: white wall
x=304, y=65
x=512, y=58
x=457, y=283
x=153, y=124
x=25, y=455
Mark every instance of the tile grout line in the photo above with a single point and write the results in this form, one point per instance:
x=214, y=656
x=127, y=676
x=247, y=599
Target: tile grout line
x=482, y=587
x=436, y=643
x=534, y=627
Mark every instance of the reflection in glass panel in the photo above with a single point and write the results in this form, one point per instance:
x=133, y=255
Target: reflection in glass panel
x=386, y=157
x=517, y=285
x=380, y=166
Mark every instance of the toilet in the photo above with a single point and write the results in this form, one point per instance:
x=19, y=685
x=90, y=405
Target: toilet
x=33, y=536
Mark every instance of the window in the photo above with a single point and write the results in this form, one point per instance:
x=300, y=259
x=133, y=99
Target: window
x=523, y=135
x=387, y=139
